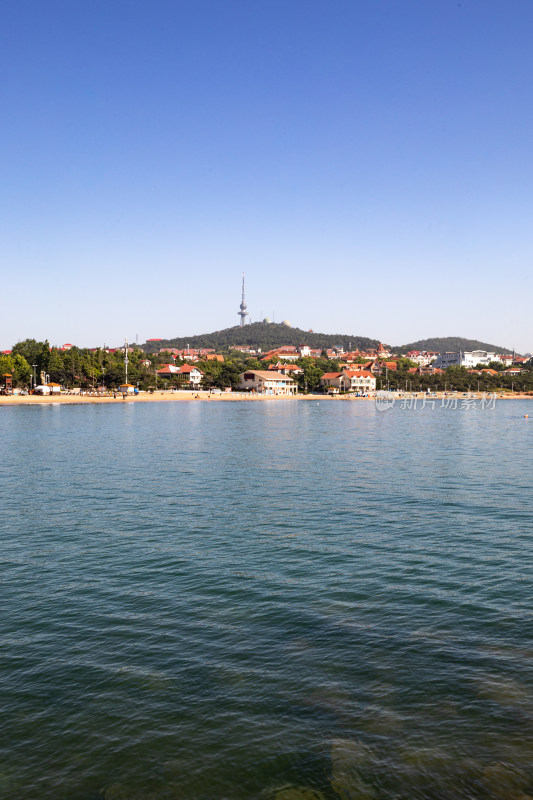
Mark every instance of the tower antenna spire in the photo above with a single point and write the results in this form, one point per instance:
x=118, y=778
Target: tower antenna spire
x=243, y=313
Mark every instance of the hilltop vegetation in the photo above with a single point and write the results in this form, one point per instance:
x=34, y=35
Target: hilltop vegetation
x=450, y=344
x=266, y=336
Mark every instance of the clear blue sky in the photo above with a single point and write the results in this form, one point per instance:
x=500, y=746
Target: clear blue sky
x=367, y=163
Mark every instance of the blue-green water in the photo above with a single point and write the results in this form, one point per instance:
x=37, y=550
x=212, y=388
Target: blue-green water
x=273, y=600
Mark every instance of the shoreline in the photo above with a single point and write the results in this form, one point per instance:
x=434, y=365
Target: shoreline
x=187, y=396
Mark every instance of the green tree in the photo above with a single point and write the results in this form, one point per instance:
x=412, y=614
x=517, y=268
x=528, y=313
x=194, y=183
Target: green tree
x=35, y=353
x=56, y=367
x=21, y=371
x=229, y=375
x=309, y=380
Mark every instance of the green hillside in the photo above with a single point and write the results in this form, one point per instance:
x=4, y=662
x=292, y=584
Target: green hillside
x=450, y=344
x=267, y=336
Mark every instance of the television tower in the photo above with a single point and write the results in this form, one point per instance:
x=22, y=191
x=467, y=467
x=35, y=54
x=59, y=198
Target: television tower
x=243, y=313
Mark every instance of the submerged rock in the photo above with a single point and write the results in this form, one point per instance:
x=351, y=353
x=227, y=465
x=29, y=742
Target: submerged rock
x=505, y=782
x=297, y=793
x=116, y=792
x=349, y=760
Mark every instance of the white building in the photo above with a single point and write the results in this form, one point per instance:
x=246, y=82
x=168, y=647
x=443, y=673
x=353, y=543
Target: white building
x=266, y=382
x=422, y=357
x=467, y=359
x=359, y=380
x=191, y=374
x=505, y=358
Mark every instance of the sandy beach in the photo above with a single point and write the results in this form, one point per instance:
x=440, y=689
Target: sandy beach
x=186, y=396
x=144, y=397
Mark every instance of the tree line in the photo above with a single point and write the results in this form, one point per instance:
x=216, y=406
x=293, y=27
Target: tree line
x=92, y=368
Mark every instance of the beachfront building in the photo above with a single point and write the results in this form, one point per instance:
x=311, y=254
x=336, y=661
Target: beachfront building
x=464, y=359
x=332, y=382
x=191, y=375
x=359, y=380
x=266, y=382
x=127, y=388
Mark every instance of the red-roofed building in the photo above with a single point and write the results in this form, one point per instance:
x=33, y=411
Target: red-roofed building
x=383, y=352
x=286, y=353
x=286, y=369
x=266, y=382
x=168, y=371
x=348, y=381
x=191, y=374
x=422, y=357
x=429, y=370
x=359, y=380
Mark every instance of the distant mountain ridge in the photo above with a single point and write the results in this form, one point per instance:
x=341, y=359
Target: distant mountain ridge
x=451, y=344
x=268, y=336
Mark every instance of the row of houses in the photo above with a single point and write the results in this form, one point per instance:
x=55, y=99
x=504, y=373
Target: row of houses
x=273, y=382
x=510, y=371
x=288, y=352
x=473, y=358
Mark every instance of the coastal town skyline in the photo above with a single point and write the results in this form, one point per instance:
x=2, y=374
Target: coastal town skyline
x=439, y=344
x=366, y=165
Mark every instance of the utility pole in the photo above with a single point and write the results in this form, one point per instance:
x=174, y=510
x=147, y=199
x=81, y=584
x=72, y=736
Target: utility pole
x=126, y=357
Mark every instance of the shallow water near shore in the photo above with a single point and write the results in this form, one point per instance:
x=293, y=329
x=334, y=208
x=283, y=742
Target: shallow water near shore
x=278, y=600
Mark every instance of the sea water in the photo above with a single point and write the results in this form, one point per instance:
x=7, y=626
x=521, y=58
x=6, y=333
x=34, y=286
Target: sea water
x=291, y=600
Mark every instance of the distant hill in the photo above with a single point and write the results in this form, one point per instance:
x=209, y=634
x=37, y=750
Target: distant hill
x=450, y=344
x=267, y=336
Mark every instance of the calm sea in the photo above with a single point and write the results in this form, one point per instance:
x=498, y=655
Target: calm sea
x=283, y=600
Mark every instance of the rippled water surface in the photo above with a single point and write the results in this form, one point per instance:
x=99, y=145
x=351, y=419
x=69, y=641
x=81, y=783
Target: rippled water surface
x=290, y=600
